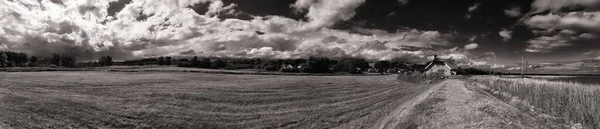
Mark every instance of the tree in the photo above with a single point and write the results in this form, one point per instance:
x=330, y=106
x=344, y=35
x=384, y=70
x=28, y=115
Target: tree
x=105, y=61
x=161, y=61
x=194, y=62
x=3, y=59
x=21, y=59
x=205, y=63
x=382, y=66
x=257, y=63
x=270, y=65
x=318, y=65
x=33, y=60
x=67, y=61
x=140, y=62
x=168, y=61
x=352, y=65
x=109, y=61
x=55, y=59
x=218, y=64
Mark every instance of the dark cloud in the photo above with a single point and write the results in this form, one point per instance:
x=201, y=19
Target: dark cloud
x=117, y=6
x=374, y=45
x=335, y=39
x=411, y=48
x=188, y=52
x=60, y=2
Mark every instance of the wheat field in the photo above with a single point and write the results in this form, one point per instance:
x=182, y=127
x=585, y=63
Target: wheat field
x=196, y=100
x=579, y=103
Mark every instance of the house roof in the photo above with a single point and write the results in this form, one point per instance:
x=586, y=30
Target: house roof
x=439, y=62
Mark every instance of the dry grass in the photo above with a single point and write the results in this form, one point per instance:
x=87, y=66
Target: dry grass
x=575, y=102
x=196, y=100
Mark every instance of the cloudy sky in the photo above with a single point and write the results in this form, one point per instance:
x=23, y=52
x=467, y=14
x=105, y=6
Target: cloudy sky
x=552, y=34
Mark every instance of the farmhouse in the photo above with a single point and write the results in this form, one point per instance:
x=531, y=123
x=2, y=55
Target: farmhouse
x=437, y=66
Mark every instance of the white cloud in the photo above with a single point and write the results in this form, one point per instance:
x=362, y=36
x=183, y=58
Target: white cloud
x=505, y=34
x=471, y=9
x=560, y=29
x=472, y=39
x=546, y=44
x=474, y=7
x=555, y=5
x=471, y=46
x=403, y=2
x=217, y=6
x=149, y=28
x=325, y=13
x=513, y=12
x=578, y=21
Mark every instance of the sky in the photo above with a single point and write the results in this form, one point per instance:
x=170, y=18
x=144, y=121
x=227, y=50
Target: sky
x=554, y=36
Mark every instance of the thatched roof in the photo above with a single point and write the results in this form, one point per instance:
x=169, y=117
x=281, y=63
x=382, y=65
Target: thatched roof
x=436, y=61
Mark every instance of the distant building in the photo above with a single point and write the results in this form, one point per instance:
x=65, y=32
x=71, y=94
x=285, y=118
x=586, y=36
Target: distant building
x=437, y=66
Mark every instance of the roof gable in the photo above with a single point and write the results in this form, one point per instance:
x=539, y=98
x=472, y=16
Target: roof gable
x=439, y=62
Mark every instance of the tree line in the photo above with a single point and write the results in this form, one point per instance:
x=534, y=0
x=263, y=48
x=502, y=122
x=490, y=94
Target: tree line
x=308, y=65
x=17, y=59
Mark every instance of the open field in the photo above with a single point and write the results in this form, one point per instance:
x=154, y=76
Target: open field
x=579, y=103
x=156, y=68
x=91, y=99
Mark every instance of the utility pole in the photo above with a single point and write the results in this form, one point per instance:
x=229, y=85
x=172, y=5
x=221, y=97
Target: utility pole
x=494, y=67
x=526, y=67
x=522, y=68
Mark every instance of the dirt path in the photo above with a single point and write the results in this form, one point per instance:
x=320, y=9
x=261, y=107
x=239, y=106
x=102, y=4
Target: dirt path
x=456, y=103
x=400, y=114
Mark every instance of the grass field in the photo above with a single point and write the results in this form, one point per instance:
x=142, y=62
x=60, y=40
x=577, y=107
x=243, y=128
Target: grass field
x=575, y=102
x=196, y=100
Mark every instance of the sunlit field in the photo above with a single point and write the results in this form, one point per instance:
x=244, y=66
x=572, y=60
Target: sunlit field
x=196, y=100
x=576, y=102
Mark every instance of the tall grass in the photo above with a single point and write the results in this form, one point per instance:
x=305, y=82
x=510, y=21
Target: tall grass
x=572, y=101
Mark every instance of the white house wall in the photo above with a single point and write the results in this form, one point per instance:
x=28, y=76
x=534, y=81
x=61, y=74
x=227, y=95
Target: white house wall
x=436, y=68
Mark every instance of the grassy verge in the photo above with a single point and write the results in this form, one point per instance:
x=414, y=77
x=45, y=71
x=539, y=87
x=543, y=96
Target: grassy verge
x=579, y=103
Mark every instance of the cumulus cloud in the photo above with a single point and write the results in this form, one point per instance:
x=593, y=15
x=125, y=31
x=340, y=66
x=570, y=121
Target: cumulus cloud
x=556, y=5
x=578, y=21
x=505, y=34
x=546, y=44
x=558, y=24
x=325, y=13
x=471, y=46
x=150, y=28
x=513, y=12
x=562, y=29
